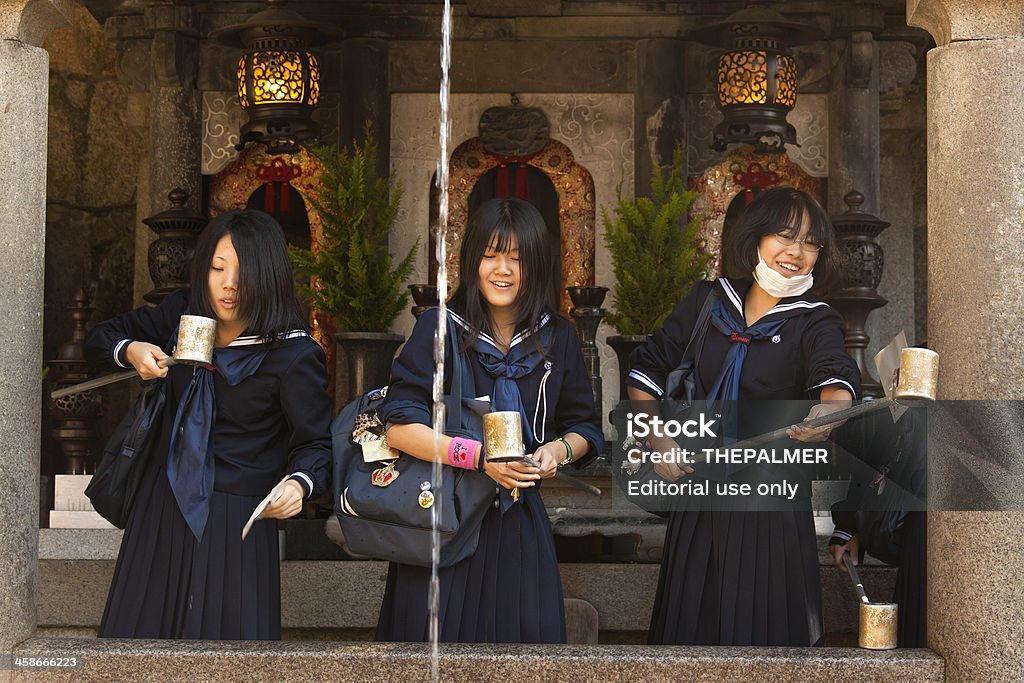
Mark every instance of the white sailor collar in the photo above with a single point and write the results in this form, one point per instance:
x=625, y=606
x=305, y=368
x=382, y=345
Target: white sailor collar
x=734, y=294
x=518, y=338
x=253, y=340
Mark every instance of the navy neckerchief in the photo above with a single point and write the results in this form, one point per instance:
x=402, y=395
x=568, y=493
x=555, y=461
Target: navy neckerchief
x=727, y=386
x=190, y=467
x=522, y=357
x=727, y=316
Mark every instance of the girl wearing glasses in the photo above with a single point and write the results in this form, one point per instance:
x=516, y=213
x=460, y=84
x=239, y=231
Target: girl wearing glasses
x=751, y=577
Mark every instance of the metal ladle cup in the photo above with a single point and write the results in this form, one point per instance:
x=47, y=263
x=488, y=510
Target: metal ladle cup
x=503, y=442
x=878, y=620
x=196, y=337
x=503, y=436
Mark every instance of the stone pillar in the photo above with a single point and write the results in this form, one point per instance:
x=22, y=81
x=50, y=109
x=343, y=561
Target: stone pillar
x=976, y=293
x=365, y=96
x=854, y=139
x=175, y=119
x=660, y=106
x=904, y=188
x=24, y=89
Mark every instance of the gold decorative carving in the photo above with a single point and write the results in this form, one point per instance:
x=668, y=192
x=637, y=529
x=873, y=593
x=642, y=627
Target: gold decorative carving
x=576, y=207
x=231, y=189
x=718, y=186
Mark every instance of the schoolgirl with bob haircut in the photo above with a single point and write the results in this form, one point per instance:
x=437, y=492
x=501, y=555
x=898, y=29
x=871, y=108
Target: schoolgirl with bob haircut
x=524, y=357
x=228, y=434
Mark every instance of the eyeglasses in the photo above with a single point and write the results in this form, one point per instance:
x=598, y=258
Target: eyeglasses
x=806, y=244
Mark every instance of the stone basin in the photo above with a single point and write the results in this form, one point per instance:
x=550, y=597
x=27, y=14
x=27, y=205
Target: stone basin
x=219, y=661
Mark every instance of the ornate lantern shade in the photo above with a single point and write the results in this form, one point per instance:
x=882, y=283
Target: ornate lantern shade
x=278, y=77
x=756, y=81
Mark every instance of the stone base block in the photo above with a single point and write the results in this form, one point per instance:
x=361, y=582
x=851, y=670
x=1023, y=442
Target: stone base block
x=69, y=492
x=78, y=519
x=581, y=622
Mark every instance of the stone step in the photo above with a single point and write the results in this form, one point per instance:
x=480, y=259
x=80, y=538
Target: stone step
x=217, y=661
x=347, y=594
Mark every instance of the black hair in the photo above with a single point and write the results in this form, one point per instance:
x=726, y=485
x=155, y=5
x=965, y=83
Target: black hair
x=495, y=223
x=267, y=300
x=782, y=210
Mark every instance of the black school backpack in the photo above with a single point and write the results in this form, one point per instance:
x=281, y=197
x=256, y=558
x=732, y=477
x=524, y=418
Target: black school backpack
x=391, y=519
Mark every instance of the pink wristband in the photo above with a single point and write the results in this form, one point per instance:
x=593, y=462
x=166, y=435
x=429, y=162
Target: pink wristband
x=461, y=452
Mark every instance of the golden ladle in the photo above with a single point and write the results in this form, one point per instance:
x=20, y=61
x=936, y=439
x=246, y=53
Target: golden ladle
x=196, y=336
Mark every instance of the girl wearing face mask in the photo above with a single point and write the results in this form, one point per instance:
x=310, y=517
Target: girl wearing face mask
x=228, y=434
x=751, y=578
x=524, y=357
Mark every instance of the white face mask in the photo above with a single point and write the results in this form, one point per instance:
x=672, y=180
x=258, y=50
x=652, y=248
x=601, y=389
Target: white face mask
x=777, y=284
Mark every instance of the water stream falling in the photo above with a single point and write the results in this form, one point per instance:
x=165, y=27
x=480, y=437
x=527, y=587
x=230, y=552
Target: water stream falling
x=444, y=128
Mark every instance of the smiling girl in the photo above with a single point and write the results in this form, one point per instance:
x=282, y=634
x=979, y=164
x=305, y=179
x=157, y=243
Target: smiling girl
x=526, y=358
x=229, y=433
x=751, y=578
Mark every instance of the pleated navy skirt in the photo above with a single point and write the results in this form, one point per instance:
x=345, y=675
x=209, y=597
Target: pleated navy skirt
x=508, y=591
x=168, y=585
x=911, y=590
x=739, y=578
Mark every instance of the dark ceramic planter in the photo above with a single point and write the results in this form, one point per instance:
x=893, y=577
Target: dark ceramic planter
x=587, y=297
x=368, y=359
x=623, y=345
x=424, y=296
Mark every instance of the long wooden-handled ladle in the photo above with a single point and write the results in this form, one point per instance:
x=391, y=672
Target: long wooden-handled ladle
x=196, y=336
x=877, y=619
x=918, y=382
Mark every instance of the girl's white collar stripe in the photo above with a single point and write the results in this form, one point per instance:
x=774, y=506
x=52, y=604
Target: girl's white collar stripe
x=515, y=340
x=777, y=308
x=647, y=381
x=737, y=302
x=832, y=381
x=254, y=340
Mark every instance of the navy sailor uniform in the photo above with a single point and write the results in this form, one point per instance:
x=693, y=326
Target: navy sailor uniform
x=509, y=590
x=167, y=582
x=745, y=578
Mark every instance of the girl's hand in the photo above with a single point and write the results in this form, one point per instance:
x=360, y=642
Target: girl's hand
x=288, y=504
x=512, y=475
x=812, y=434
x=143, y=357
x=669, y=471
x=548, y=456
x=852, y=546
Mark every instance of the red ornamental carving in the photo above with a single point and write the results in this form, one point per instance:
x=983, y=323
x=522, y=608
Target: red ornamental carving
x=278, y=175
x=754, y=178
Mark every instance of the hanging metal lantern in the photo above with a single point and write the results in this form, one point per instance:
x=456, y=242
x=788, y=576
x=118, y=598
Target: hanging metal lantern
x=756, y=80
x=278, y=77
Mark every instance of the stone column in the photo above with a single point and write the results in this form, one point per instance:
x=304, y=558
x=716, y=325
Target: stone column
x=976, y=294
x=660, y=106
x=24, y=77
x=854, y=138
x=175, y=120
x=365, y=95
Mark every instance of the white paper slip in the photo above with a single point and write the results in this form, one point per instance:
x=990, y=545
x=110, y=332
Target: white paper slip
x=887, y=362
x=274, y=494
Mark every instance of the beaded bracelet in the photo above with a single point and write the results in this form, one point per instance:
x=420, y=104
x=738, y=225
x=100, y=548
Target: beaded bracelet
x=568, y=451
